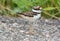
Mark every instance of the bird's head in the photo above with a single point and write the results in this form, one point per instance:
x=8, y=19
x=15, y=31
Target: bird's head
x=37, y=9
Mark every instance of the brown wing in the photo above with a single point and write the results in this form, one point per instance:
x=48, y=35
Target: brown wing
x=30, y=14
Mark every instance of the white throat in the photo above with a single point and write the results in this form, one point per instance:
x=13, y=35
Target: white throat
x=38, y=11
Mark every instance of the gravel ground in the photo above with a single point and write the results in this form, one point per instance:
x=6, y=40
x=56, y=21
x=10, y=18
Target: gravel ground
x=18, y=29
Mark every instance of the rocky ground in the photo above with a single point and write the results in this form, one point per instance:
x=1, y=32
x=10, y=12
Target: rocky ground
x=18, y=29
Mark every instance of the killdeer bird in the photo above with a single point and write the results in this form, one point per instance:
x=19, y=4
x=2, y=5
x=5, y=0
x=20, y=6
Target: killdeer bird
x=35, y=14
x=32, y=16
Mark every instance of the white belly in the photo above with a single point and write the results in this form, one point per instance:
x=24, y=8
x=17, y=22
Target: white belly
x=37, y=16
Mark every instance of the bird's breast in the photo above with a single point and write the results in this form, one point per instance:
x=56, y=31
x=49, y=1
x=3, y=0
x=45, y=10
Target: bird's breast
x=37, y=16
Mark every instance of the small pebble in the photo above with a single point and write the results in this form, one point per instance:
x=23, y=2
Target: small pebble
x=13, y=30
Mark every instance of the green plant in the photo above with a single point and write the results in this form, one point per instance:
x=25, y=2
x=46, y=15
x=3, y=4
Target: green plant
x=51, y=8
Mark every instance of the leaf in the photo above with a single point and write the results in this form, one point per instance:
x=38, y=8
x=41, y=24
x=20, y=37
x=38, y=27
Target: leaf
x=49, y=8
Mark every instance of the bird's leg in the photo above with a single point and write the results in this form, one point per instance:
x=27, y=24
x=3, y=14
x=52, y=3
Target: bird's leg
x=31, y=29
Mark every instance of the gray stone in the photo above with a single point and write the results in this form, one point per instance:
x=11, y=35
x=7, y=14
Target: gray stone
x=19, y=29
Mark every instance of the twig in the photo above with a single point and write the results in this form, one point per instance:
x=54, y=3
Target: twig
x=51, y=15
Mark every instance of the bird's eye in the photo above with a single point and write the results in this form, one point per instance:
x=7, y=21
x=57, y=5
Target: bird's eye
x=40, y=8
